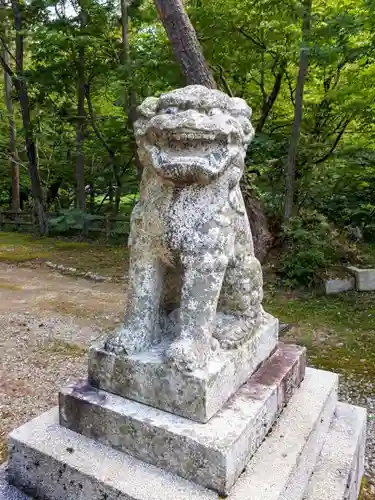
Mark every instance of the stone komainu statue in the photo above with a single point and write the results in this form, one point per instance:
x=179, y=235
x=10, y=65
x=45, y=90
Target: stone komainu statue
x=194, y=283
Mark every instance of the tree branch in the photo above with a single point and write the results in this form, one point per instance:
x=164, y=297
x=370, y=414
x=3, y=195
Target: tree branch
x=270, y=100
x=256, y=42
x=334, y=145
x=94, y=126
x=224, y=82
x=6, y=48
x=291, y=90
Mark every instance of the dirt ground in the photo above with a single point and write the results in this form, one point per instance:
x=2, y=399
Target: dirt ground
x=46, y=323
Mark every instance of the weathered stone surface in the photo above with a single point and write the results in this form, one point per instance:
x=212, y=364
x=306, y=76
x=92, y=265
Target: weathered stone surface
x=8, y=492
x=213, y=454
x=194, y=281
x=198, y=395
x=340, y=467
x=51, y=462
x=364, y=278
x=58, y=464
x=339, y=286
x=282, y=466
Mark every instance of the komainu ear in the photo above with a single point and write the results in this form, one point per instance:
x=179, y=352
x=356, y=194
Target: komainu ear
x=145, y=112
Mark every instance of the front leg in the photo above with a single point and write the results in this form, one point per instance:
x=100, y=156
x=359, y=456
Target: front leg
x=141, y=327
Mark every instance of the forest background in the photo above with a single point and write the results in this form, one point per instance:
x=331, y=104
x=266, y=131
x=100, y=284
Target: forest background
x=73, y=73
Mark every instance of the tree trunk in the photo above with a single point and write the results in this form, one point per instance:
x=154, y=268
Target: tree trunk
x=290, y=174
x=23, y=96
x=185, y=44
x=80, y=132
x=262, y=237
x=14, y=163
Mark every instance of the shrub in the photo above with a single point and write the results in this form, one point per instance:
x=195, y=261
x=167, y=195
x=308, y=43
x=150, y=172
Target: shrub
x=309, y=249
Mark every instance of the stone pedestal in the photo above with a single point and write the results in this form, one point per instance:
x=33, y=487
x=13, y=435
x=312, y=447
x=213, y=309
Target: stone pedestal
x=212, y=454
x=197, y=395
x=314, y=451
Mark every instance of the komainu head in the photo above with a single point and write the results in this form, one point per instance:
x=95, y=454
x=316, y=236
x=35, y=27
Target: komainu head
x=193, y=135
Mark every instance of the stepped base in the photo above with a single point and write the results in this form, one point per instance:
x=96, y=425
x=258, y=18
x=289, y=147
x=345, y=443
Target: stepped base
x=340, y=467
x=146, y=377
x=212, y=454
x=51, y=462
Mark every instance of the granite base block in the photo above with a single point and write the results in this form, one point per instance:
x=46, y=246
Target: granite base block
x=55, y=463
x=146, y=378
x=212, y=454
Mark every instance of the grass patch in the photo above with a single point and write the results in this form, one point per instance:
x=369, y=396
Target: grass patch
x=366, y=491
x=65, y=348
x=106, y=260
x=337, y=330
x=9, y=286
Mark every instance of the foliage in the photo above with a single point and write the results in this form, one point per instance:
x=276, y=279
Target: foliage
x=310, y=248
x=253, y=50
x=70, y=221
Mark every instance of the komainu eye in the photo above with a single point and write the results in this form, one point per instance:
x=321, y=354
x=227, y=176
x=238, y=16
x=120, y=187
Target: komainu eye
x=171, y=110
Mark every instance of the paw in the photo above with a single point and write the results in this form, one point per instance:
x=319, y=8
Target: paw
x=188, y=355
x=121, y=343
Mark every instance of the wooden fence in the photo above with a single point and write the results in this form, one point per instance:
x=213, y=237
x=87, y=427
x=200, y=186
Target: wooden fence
x=87, y=225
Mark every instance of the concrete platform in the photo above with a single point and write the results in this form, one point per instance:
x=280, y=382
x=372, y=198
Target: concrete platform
x=146, y=377
x=340, y=467
x=54, y=463
x=212, y=454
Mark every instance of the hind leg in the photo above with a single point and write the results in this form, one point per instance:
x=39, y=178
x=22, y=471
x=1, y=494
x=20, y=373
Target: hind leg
x=240, y=302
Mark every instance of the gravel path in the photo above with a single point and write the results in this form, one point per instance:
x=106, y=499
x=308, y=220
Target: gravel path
x=46, y=323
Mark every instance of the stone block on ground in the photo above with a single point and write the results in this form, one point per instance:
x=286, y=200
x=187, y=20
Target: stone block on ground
x=213, y=454
x=146, y=377
x=340, y=467
x=338, y=286
x=52, y=462
x=364, y=278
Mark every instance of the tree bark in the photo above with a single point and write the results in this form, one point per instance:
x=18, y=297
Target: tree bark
x=14, y=163
x=185, y=44
x=80, y=132
x=130, y=97
x=23, y=97
x=80, y=128
x=290, y=174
